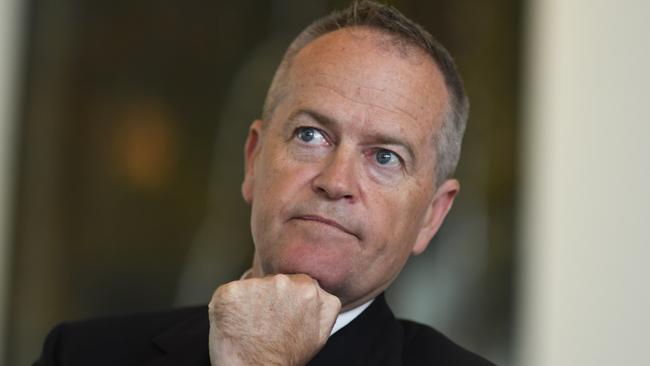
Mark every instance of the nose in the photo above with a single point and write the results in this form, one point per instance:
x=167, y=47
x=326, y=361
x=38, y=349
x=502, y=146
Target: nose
x=337, y=178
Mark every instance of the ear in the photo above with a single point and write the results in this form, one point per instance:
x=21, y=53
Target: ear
x=436, y=213
x=251, y=150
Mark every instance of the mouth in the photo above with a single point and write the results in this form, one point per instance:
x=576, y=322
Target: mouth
x=329, y=222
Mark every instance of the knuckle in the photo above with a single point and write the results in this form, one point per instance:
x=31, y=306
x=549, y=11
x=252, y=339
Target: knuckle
x=309, y=291
x=335, y=302
x=224, y=290
x=220, y=296
x=281, y=280
x=228, y=291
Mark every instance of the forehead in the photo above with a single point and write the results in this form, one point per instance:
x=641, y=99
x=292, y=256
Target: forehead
x=372, y=75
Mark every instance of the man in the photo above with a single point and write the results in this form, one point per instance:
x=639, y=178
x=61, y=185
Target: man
x=348, y=173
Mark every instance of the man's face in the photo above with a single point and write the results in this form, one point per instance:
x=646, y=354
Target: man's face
x=341, y=180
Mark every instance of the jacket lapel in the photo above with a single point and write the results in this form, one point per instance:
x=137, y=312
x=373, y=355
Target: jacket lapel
x=185, y=344
x=372, y=338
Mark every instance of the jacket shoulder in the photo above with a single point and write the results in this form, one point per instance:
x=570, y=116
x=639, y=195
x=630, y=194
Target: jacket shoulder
x=424, y=345
x=122, y=340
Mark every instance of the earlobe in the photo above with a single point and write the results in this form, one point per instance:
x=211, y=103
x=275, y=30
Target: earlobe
x=251, y=149
x=436, y=213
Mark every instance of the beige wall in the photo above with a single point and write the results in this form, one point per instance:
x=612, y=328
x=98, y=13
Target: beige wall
x=10, y=22
x=585, y=260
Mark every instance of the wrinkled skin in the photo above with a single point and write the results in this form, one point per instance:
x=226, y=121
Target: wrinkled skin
x=341, y=183
x=286, y=319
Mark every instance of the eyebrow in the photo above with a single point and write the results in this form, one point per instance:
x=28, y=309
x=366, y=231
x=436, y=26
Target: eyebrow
x=378, y=138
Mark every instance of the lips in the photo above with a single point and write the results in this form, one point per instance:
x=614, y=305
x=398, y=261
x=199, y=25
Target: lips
x=327, y=221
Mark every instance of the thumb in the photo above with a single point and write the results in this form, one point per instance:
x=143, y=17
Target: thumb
x=330, y=308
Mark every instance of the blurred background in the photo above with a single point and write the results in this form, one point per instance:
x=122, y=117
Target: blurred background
x=121, y=154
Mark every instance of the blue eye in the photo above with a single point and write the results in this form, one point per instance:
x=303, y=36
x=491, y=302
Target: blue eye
x=310, y=135
x=306, y=134
x=386, y=157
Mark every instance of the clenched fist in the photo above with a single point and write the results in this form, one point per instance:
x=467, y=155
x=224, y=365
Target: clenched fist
x=276, y=320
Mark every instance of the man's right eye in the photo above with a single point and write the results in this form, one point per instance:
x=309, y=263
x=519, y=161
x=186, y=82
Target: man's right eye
x=310, y=135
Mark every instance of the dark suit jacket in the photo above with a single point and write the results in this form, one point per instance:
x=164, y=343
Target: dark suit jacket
x=180, y=337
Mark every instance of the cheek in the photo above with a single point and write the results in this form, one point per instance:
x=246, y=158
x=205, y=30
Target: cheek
x=279, y=182
x=271, y=173
x=396, y=218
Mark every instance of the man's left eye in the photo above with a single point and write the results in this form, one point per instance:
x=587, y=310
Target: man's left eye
x=386, y=157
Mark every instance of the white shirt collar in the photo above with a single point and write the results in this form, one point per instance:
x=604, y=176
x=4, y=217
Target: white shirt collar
x=346, y=317
x=342, y=319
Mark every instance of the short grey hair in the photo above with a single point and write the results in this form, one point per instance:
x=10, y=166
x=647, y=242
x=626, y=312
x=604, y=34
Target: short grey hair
x=386, y=19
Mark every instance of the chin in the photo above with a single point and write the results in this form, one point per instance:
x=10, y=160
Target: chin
x=331, y=272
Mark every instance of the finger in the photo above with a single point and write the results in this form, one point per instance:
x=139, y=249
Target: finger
x=302, y=278
x=330, y=308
